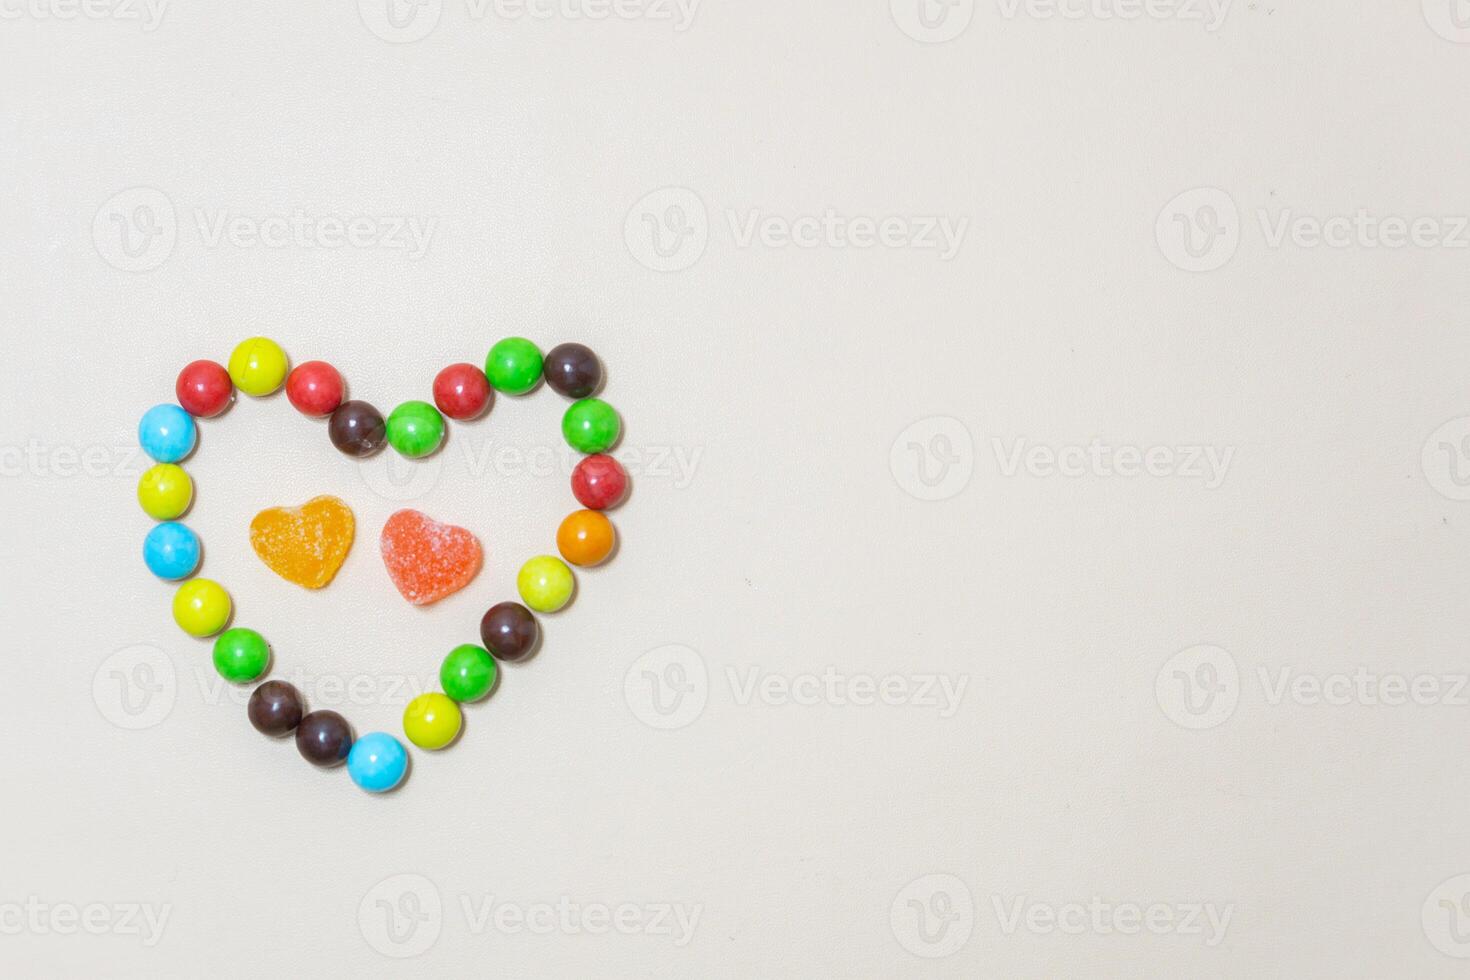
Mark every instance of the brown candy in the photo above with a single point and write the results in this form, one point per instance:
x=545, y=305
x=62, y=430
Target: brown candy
x=357, y=428
x=573, y=370
x=275, y=708
x=509, y=631
x=323, y=738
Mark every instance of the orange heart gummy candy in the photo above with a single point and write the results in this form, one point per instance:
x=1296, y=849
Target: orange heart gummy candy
x=307, y=544
x=427, y=560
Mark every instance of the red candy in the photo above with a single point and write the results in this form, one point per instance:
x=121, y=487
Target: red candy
x=599, y=482
x=315, y=388
x=427, y=560
x=462, y=391
x=204, y=389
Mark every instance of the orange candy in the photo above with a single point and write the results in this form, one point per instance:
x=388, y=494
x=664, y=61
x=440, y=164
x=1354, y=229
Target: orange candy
x=427, y=560
x=307, y=544
x=585, y=537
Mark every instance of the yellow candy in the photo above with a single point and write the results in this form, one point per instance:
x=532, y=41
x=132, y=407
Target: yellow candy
x=431, y=720
x=165, y=491
x=201, y=607
x=306, y=544
x=258, y=366
x=545, y=583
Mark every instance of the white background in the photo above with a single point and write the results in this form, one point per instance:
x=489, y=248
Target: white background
x=818, y=397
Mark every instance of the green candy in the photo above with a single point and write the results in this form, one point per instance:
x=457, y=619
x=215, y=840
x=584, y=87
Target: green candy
x=241, y=655
x=468, y=673
x=415, y=429
x=513, y=366
x=590, y=425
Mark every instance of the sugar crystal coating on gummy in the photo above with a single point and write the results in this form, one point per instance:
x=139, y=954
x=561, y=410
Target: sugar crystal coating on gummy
x=307, y=544
x=428, y=560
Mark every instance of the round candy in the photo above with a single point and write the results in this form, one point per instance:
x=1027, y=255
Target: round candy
x=462, y=391
x=171, y=550
x=573, y=370
x=201, y=607
x=314, y=388
x=509, y=630
x=599, y=482
x=323, y=738
x=241, y=655
x=357, y=428
x=468, y=673
x=431, y=721
x=415, y=429
x=204, y=389
x=167, y=433
x=377, y=762
x=545, y=583
x=258, y=366
x=164, y=491
x=585, y=537
x=513, y=365
x=275, y=708
x=590, y=425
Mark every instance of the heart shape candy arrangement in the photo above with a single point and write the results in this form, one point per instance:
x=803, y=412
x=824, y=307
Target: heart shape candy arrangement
x=425, y=560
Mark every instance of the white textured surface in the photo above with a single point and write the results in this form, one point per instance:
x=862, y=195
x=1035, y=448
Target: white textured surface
x=787, y=374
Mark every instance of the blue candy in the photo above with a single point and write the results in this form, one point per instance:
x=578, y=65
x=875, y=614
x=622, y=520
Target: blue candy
x=167, y=433
x=171, y=550
x=377, y=762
